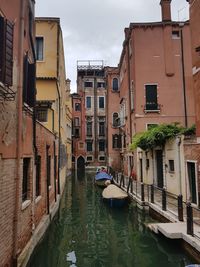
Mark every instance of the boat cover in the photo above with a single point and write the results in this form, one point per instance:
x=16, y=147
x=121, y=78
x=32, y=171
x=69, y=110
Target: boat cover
x=114, y=192
x=102, y=175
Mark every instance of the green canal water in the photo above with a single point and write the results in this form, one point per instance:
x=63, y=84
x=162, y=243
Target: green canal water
x=87, y=233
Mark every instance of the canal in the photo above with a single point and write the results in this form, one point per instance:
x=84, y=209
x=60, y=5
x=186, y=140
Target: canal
x=87, y=233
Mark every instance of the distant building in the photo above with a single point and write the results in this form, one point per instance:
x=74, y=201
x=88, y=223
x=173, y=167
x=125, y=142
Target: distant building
x=90, y=116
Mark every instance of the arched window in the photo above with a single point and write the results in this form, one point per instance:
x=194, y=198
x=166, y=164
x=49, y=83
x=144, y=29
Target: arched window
x=115, y=85
x=115, y=119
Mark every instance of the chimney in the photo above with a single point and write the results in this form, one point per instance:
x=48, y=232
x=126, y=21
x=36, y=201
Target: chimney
x=166, y=10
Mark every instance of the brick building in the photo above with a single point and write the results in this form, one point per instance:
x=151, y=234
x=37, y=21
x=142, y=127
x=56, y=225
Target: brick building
x=29, y=150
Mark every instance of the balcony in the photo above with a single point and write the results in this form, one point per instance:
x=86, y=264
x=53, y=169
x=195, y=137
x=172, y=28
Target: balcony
x=152, y=108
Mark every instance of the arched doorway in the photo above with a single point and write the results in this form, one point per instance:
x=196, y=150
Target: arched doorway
x=80, y=164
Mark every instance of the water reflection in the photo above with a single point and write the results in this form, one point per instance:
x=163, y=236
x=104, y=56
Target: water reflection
x=87, y=233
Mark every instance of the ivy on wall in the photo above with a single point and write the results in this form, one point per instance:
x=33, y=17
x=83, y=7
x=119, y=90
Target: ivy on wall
x=157, y=136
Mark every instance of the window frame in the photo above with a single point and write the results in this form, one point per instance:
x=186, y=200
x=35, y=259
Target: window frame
x=39, y=59
x=101, y=97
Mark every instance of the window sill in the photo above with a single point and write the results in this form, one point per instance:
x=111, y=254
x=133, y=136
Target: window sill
x=25, y=204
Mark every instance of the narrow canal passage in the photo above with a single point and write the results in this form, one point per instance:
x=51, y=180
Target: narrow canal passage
x=87, y=233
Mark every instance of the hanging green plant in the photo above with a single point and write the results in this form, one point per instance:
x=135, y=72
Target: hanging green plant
x=157, y=136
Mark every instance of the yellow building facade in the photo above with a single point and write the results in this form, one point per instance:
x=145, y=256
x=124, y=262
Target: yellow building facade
x=53, y=91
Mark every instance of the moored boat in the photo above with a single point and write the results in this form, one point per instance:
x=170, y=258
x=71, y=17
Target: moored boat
x=114, y=195
x=102, y=178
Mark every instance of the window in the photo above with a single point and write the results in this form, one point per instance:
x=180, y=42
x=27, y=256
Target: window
x=175, y=34
x=89, y=158
x=89, y=128
x=132, y=96
x=48, y=170
x=101, y=85
x=101, y=102
x=88, y=102
x=38, y=176
x=6, y=51
x=116, y=141
x=77, y=107
x=76, y=121
x=89, y=146
x=151, y=97
x=102, y=128
x=88, y=84
x=171, y=165
x=101, y=145
x=101, y=158
x=115, y=119
x=151, y=125
x=28, y=82
x=42, y=114
x=39, y=48
x=73, y=159
x=77, y=133
x=26, y=178
x=115, y=85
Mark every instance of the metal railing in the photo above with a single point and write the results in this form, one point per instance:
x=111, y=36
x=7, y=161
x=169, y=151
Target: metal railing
x=174, y=204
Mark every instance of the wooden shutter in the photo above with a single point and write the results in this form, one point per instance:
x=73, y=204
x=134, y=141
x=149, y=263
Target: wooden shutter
x=8, y=53
x=2, y=52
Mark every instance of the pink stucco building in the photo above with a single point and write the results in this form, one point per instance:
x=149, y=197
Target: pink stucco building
x=155, y=71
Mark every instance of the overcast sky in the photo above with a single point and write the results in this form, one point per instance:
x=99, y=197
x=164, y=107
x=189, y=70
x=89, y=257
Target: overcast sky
x=94, y=29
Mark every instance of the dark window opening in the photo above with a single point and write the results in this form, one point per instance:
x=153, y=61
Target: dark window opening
x=88, y=102
x=116, y=141
x=29, y=83
x=89, y=146
x=171, y=165
x=89, y=128
x=49, y=170
x=88, y=84
x=39, y=48
x=151, y=97
x=101, y=145
x=26, y=178
x=102, y=128
x=100, y=85
x=77, y=133
x=101, y=102
x=115, y=85
x=77, y=107
x=115, y=119
x=38, y=176
x=42, y=114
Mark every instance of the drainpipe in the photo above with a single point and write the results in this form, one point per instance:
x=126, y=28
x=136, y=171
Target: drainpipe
x=129, y=90
x=183, y=77
x=19, y=134
x=34, y=126
x=178, y=141
x=48, y=173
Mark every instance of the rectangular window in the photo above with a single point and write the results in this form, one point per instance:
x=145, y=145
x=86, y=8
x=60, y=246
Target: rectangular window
x=102, y=145
x=171, y=165
x=102, y=158
x=26, y=178
x=151, y=125
x=175, y=34
x=116, y=141
x=39, y=48
x=77, y=107
x=89, y=158
x=151, y=97
x=42, y=114
x=76, y=121
x=49, y=170
x=77, y=132
x=101, y=102
x=89, y=128
x=102, y=128
x=88, y=102
x=38, y=176
x=88, y=84
x=100, y=85
x=89, y=146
